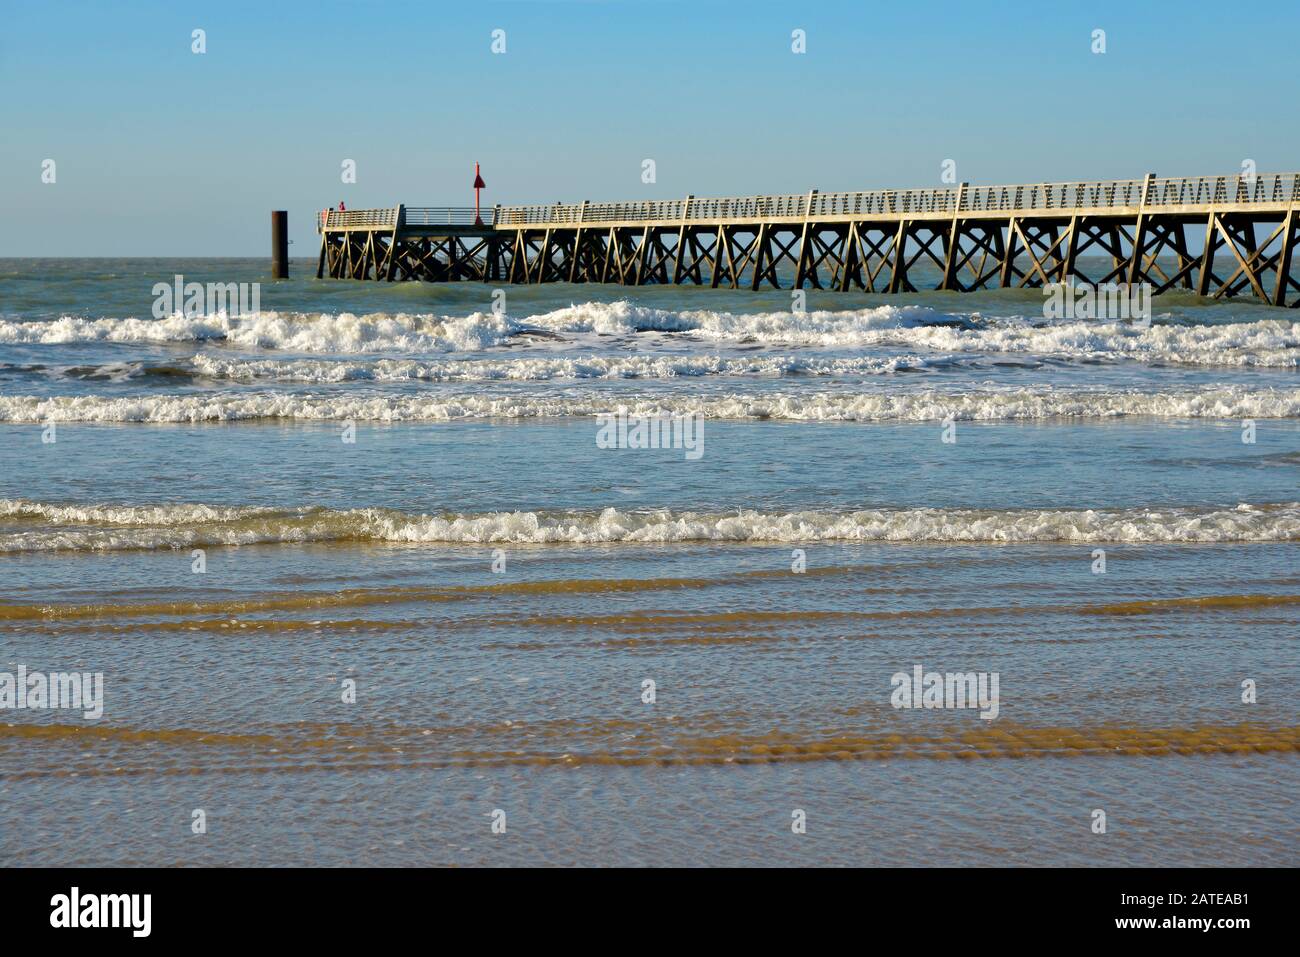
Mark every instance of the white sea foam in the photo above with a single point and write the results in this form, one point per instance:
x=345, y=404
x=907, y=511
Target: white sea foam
x=1264, y=342
x=294, y=332
x=379, y=332
x=1214, y=402
x=547, y=368
x=34, y=526
x=821, y=328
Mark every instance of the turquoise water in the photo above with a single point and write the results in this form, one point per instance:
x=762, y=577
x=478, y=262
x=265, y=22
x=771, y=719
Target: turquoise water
x=397, y=486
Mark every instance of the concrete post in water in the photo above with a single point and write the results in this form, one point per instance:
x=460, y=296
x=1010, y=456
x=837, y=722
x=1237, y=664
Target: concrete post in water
x=279, y=244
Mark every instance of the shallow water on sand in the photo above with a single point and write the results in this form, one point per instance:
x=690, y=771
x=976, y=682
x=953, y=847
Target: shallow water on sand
x=499, y=588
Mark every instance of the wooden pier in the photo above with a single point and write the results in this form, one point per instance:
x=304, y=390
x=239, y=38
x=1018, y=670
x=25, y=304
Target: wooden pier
x=1214, y=235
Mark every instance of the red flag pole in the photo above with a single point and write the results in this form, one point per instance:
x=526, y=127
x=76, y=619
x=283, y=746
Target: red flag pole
x=478, y=185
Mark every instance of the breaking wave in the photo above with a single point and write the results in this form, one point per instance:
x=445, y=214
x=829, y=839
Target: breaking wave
x=1221, y=402
x=1266, y=342
x=294, y=332
x=34, y=526
x=548, y=368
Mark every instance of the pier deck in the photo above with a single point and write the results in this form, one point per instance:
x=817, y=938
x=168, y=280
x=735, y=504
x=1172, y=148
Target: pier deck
x=1215, y=235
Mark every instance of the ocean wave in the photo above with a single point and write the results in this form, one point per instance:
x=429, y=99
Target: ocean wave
x=547, y=368
x=36, y=526
x=119, y=372
x=818, y=328
x=1214, y=402
x=379, y=332
x=1265, y=342
x=289, y=331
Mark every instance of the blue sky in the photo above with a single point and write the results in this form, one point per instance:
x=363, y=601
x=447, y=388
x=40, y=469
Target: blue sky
x=161, y=151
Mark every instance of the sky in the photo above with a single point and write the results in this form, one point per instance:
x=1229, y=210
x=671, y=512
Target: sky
x=161, y=151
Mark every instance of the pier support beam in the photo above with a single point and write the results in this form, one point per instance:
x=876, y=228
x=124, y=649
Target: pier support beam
x=1290, y=236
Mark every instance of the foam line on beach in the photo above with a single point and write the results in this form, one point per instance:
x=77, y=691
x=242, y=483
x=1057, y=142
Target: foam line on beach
x=33, y=526
x=984, y=405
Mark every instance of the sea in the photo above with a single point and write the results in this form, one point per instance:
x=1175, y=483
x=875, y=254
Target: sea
x=482, y=575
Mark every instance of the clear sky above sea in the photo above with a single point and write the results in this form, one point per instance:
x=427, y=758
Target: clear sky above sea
x=161, y=151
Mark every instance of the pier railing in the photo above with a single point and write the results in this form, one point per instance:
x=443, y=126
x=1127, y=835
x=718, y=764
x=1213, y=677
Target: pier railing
x=443, y=216
x=1271, y=188
x=1201, y=192
x=357, y=218
x=1262, y=188
x=390, y=218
